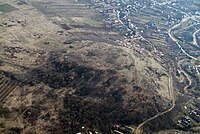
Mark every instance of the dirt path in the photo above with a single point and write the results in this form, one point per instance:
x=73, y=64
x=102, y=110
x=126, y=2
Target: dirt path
x=138, y=129
x=186, y=75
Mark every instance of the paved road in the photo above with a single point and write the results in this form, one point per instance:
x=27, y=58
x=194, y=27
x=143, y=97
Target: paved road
x=170, y=33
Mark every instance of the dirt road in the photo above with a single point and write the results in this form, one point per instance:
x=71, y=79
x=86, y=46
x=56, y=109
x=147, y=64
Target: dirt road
x=138, y=129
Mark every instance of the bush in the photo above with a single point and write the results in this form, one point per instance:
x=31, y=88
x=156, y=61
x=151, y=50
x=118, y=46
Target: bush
x=3, y=111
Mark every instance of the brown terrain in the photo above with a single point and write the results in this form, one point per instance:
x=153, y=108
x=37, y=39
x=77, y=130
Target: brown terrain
x=61, y=70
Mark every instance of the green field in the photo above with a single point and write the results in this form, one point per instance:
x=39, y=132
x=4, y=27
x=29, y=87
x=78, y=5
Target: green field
x=5, y=8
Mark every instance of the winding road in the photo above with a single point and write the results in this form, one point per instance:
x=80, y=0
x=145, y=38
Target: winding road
x=194, y=38
x=186, y=76
x=170, y=33
x=138, y=129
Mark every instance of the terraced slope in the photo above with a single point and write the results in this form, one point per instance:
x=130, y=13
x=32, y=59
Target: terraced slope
x=7, y=86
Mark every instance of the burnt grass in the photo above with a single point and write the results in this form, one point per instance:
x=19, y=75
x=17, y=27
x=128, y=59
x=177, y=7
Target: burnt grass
x=166, y=121
x=98, y=99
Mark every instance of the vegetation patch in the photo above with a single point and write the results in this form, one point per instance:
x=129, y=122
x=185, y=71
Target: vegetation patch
x=5, y=8
x=86, y=21
x=3, y=111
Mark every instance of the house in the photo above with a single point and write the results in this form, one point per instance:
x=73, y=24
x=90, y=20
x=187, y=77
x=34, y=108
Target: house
x=122, y=129
x=195, y=117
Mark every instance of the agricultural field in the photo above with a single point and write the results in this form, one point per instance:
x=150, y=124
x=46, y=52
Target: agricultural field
x=5, y=8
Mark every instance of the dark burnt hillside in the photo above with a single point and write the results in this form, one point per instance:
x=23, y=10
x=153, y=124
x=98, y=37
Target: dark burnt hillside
x=99, y=98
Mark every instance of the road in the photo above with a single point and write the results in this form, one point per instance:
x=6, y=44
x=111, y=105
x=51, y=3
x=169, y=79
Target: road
x=170, y=33
x=163, y=3
x=138, y=129
x=176, y=40
x=188, y=17
x=194, y=38
x=186, y=75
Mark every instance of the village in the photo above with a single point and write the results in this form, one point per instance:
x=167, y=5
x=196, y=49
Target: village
x=142, y=23
x=190, y=117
